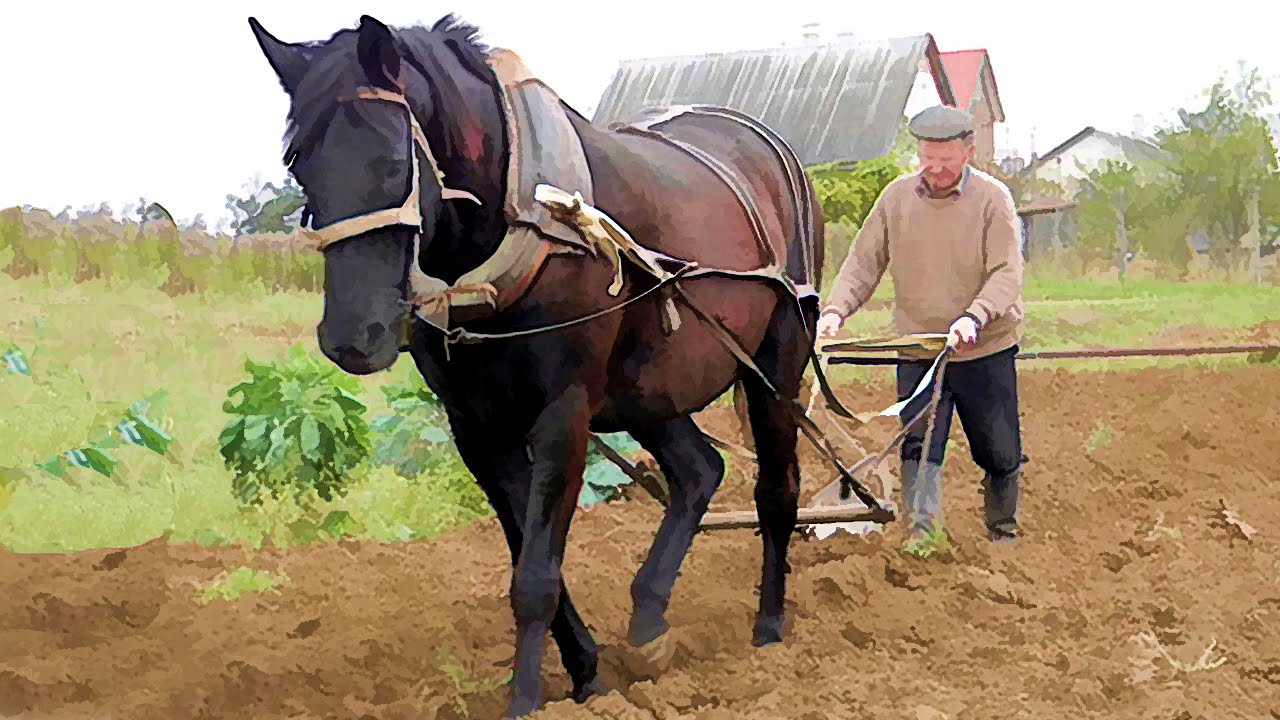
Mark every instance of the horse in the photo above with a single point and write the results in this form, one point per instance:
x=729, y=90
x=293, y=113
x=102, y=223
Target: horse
x=403, y=140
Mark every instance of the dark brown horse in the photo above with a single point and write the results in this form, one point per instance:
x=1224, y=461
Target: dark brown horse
x=522, y=402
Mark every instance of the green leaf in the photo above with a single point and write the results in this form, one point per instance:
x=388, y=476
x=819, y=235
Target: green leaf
x=54, y=466
x=591, y=495
x=16, y=361
x=309, y=437
x=339, y=523
x=435, y=435
x=255, y=427
x=92, y=458
x=348, y=402
x=140, y=431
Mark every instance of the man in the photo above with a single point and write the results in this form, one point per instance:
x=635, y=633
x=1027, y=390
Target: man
x=952, y=238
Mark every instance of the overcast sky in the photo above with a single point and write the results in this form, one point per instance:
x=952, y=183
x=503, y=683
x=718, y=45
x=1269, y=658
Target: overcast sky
x=174, y=102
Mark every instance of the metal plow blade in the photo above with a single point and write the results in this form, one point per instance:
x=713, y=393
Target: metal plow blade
x=828, y=499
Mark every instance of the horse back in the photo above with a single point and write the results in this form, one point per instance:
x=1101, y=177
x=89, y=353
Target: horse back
x=758, y=168
x=686, y=182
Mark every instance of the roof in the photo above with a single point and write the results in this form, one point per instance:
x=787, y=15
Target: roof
x=1043, y=207
x=1132, y=147
x=836, y=102
x=969, y=71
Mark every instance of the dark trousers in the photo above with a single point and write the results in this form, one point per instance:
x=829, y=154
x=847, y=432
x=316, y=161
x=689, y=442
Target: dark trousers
x=984, y=393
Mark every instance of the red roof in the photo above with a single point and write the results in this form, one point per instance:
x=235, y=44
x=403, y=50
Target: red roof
x=964, y=67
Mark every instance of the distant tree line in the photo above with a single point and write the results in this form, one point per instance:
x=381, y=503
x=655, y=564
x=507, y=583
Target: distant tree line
x=1214, y=191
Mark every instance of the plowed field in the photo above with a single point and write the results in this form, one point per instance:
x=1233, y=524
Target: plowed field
x=1153, y=531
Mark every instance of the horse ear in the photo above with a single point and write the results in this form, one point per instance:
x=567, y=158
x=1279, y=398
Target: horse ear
x=288, y=60
x=377, y=51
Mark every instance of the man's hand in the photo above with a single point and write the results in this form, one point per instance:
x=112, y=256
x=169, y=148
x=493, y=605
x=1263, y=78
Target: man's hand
x=829, y=324
x=963, y=333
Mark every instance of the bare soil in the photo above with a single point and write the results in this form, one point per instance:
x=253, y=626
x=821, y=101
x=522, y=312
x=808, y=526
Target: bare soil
x=1074, y=621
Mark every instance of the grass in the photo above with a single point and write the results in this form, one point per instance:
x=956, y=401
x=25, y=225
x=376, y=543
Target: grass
x=241, y=581
x=97, y=342
x=1070, y=313
x=934, y=542
x=101, y=347
x=1100, y=438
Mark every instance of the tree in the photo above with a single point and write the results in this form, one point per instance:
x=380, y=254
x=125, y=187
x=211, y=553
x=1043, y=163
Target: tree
x=847, y=191
x=267, y=209
x=1105, y=208
x=1223, y=156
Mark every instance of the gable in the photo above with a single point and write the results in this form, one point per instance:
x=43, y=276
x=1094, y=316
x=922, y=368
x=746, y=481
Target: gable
x=973, y=81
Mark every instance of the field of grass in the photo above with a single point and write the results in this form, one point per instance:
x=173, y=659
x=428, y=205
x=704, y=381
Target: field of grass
x=96, y=345
x=93, y=349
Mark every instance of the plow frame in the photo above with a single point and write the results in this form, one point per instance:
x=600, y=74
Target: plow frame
x=864, y=353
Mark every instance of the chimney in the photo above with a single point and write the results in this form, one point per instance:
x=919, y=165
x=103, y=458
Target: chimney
x=810, y=33
x=1139, y=126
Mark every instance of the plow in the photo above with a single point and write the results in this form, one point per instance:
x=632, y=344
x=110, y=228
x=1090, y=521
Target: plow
x=834, y=508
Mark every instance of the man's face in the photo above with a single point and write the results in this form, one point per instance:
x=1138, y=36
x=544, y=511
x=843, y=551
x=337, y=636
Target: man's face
x=943, y=162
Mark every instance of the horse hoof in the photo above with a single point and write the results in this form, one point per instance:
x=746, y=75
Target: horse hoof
x=768, y=632
x=592, y=688
x=645, y=627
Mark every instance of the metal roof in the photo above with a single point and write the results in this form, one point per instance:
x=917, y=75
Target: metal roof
x=835, y=102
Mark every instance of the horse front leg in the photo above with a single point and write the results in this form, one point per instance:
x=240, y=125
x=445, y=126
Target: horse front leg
x=501, y=468
x=558, y=448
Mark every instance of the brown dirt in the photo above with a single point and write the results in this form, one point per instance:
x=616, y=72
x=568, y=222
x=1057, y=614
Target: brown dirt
x=1061, y=625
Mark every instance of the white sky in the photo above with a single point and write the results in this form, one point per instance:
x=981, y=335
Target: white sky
x=174, y=102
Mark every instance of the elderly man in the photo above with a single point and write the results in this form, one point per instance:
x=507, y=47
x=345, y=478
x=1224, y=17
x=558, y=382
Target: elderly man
x=951, y=237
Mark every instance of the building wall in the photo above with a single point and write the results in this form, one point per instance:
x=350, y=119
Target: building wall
x=1090, y=152
x=984, y=128
x=1047, y=233
x=984, y=134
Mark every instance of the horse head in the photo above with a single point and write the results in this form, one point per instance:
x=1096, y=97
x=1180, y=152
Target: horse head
x=395, y=137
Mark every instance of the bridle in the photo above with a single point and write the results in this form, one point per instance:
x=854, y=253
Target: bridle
x=409, y=213
x=424, y=288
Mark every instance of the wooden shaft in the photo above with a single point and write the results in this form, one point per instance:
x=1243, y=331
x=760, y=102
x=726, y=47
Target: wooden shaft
x=806, y=516
x=648, y=483
x=1087, y=353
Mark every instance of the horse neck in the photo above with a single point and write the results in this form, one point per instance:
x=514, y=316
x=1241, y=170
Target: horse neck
x=469, y=129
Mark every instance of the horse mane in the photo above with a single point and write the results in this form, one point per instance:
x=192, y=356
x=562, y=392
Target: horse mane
x=336, y=75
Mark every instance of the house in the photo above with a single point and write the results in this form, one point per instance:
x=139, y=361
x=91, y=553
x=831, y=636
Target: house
x=1048, y=226
x=833, y=102
x=1050, y=223
x=1069, y=163
x=974, y=84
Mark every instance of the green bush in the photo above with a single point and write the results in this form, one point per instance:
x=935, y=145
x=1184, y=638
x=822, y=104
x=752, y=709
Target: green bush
x=298, y=426
x=413, y=436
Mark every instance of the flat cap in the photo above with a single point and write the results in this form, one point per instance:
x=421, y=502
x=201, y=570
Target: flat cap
x=941, y=123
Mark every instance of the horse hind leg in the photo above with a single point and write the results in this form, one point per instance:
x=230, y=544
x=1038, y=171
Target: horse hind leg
x=782, y=358
x=694, y=471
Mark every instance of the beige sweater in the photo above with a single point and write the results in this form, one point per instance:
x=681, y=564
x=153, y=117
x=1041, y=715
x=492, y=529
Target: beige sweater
x=950, y=256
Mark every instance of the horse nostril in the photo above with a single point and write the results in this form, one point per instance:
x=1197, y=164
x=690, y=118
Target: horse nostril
x=376, y=331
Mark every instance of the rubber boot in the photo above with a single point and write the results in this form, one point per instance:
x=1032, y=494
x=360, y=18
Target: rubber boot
x=1001, y=498
x=923, y=496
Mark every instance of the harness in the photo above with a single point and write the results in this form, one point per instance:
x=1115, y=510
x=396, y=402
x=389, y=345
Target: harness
x=507, y=274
